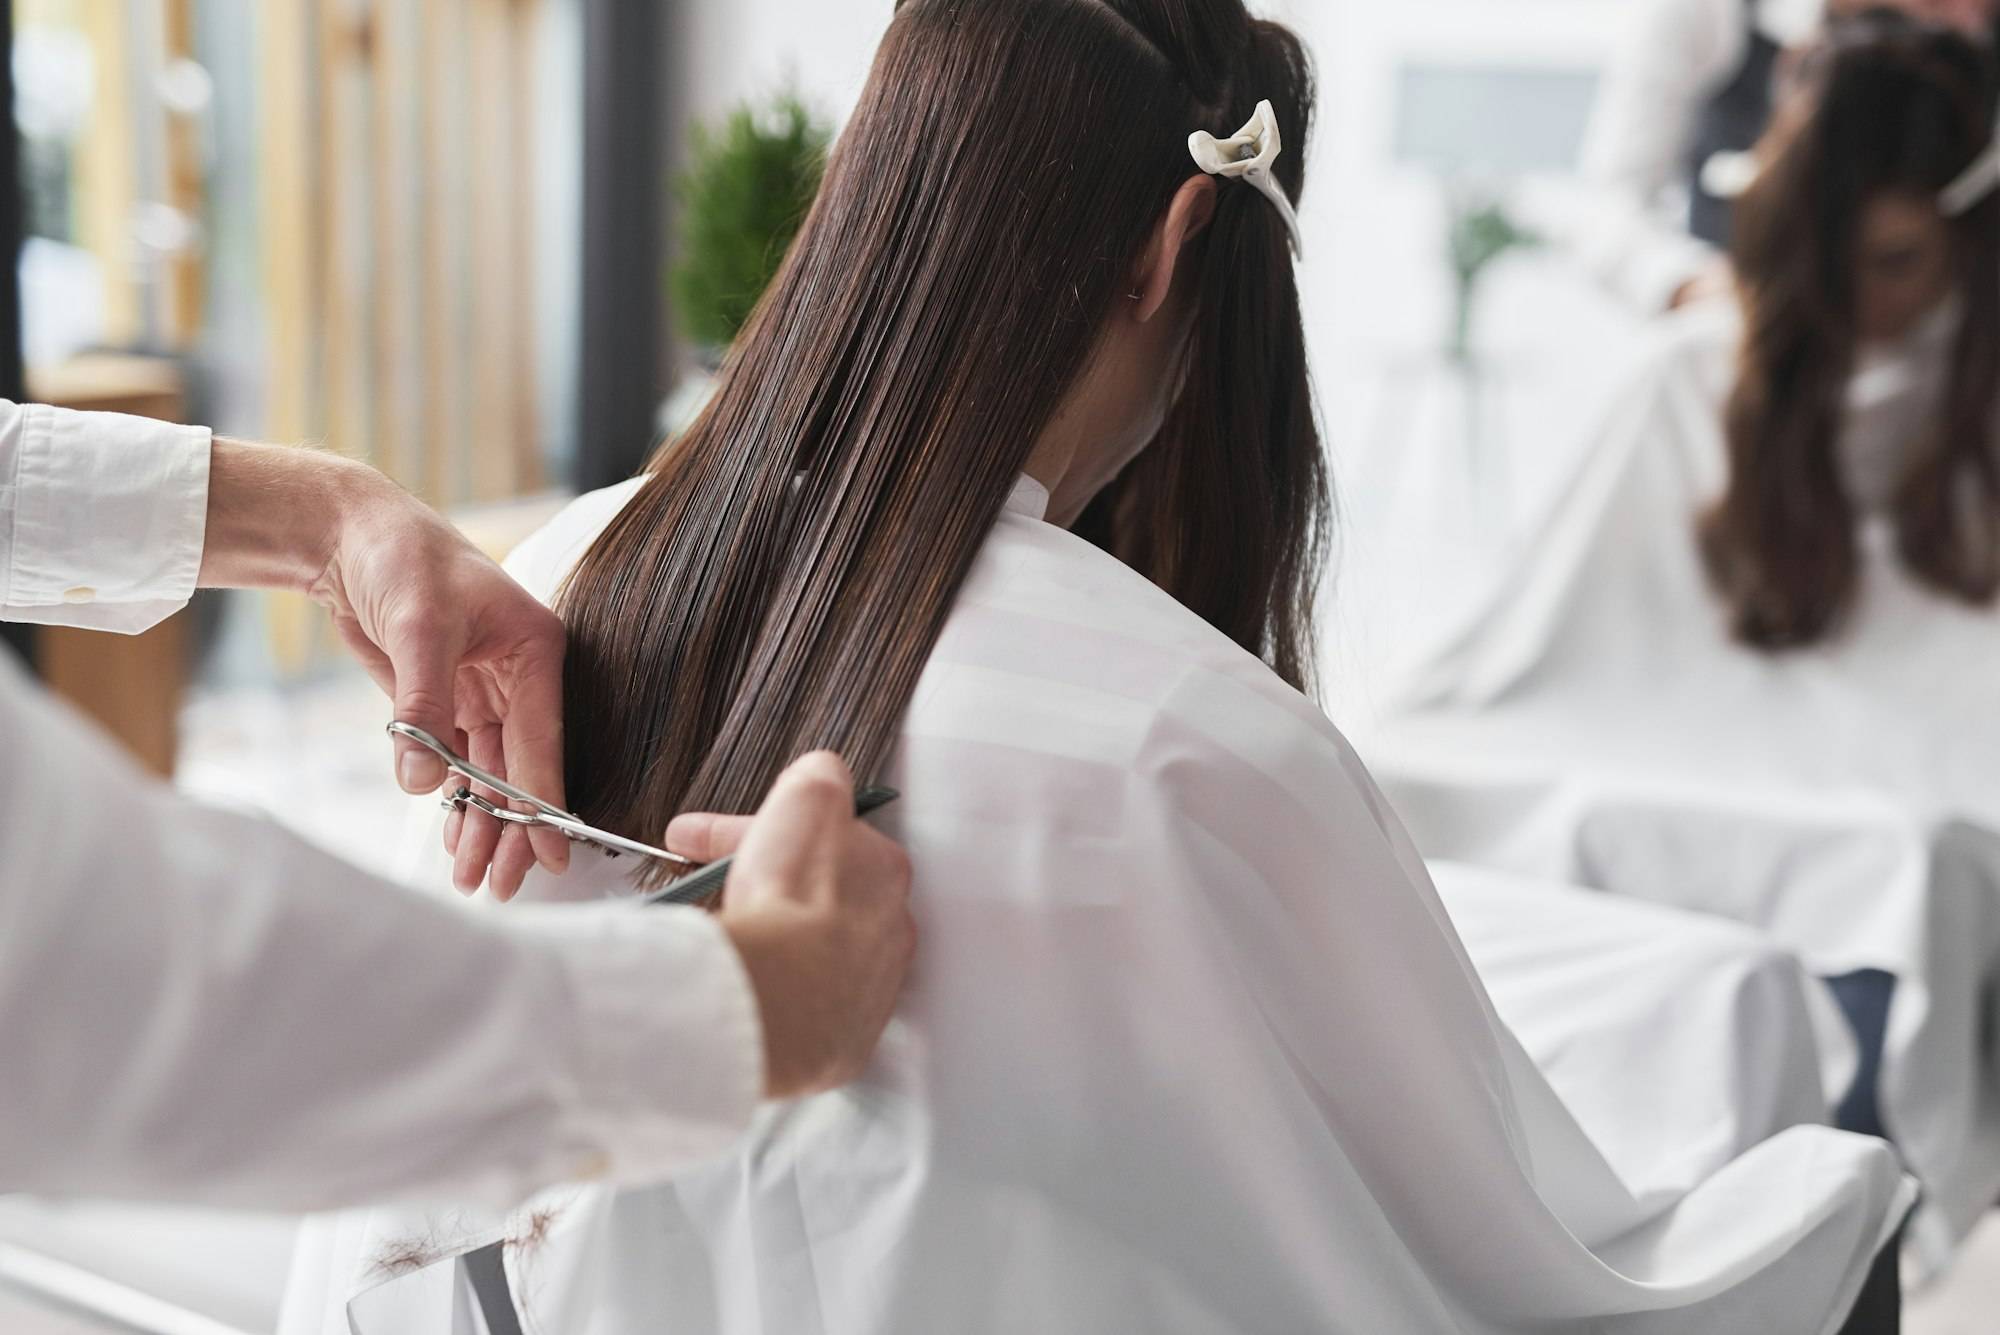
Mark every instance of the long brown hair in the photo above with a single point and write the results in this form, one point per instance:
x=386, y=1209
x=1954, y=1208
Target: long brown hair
x=777, y=583
x=1885, y=104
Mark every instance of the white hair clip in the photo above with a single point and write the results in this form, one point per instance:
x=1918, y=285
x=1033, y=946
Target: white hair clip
x=1973, y=184
x=1249, y=154
x=1726, y=175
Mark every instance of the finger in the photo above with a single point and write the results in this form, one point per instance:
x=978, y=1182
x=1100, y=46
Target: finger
x=797, y=830
x=813, y=796
x=513, y=855
x=512, y=861
x=454, y=821
x=425, y=661
x=811, y=783
x=479, y=835
x=531, y=737
x=704, y=836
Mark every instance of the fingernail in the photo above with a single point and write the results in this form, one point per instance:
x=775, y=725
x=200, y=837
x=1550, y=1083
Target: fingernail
x=420, y=771
x=684, y=832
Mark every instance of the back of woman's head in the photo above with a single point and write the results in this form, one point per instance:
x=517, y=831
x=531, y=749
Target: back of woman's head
x=1885, y=111
x=777, y=583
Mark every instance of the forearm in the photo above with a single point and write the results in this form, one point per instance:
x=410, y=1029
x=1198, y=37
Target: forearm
x=275, y=513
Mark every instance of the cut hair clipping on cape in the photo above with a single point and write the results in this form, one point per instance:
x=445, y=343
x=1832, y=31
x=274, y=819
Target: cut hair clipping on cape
x=1973, y=184
x=1248, y=155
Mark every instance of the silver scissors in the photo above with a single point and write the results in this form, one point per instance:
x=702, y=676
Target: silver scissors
x=543, y=813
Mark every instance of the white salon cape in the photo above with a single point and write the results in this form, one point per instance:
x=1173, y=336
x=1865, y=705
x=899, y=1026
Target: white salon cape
x=198, y=1007
x=1595, y=723
x=1678, y=1040
x=1191, y=1046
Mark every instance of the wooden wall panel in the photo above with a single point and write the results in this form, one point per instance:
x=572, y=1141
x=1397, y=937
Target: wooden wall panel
x=524, y=408
x=503, y=456
x=399, y=242
x=289, y=209
x=131, y=685
x=398, y=254
x=347, y=168
x=107, y=169
x=186, y=276
x=446, y=221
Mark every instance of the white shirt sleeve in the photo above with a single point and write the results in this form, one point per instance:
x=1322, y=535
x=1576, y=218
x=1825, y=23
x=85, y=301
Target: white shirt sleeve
x=101, y=517
x=1675, y=57
x=195, y=1006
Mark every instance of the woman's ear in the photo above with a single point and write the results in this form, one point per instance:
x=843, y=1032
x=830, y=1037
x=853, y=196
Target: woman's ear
x=1192, y=207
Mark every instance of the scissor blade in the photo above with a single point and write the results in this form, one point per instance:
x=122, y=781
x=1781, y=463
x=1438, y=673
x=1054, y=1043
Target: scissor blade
x=590, y=834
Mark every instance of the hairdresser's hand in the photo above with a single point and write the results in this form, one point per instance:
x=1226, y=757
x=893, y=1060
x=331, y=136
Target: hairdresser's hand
x=466, y=654
x=1716, y=281
x=817, y=903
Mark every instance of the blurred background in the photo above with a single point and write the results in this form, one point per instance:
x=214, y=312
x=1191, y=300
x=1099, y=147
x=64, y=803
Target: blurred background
x=494, y=246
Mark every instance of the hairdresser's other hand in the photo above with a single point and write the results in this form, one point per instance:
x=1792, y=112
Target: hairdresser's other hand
x=466, y=654
x=1717, y=280
x=817, y=903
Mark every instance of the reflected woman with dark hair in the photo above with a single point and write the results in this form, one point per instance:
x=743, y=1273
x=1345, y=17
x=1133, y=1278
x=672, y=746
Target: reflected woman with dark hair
x=1762, y=614
x=1845, y=249
x=1012, y=493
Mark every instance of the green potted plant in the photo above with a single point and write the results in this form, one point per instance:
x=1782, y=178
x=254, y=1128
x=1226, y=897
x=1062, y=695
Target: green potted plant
x=746, y=189
x=1480, y=232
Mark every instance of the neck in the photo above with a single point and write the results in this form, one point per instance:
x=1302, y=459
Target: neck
x=1096, y=430
x=1112, y=411
x=1053, y=463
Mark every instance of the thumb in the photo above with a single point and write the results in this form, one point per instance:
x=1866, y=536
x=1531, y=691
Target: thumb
x=801, y=820
x=813, y=790
x=705, y=836
x=424, y=670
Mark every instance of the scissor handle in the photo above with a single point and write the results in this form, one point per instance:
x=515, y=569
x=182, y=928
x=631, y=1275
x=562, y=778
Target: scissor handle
x=544, y=813
x=465, y=797
x=454, y=760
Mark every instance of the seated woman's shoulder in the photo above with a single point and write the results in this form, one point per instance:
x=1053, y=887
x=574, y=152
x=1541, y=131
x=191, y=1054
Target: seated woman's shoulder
x=541, y=559
x=1698, y=343
x=1060, y=621
x=1045, y=584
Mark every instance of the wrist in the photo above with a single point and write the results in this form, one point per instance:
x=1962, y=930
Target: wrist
x=276, y=513
x=764, y=945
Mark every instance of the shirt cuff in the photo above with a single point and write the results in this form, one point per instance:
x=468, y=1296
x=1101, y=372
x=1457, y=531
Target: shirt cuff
x=670, y=1044
x=109, y=514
